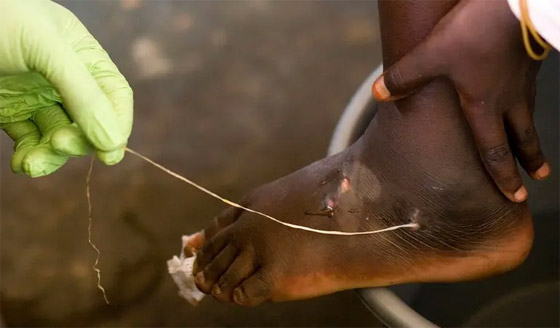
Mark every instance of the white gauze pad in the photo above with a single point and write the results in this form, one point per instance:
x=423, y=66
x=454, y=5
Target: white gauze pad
x=181, y=270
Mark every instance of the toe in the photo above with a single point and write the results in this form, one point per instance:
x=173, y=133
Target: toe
x=210, y=250
x=208, y=276
x=253, y=291
x=223, y=220
x=193, y=243
x=241, y=268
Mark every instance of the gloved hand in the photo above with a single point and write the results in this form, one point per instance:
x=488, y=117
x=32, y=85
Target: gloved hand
x=60, y=93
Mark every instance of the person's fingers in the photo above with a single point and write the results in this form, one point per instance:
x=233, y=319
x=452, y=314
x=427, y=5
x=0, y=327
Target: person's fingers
x=26, y=136
x=109, y=79
x=49, y=119
x=45, y=44
x=82, y=97
x=42, y=160
x=69, y=140
x=525, y=142
x=416, y=68
x=110, y=157
x=491, y=139
x=56, y=129
x=30, y=156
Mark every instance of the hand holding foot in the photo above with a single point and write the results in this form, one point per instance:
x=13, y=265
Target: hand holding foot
x=406, y=168
x=467, y=229
x=478, y=46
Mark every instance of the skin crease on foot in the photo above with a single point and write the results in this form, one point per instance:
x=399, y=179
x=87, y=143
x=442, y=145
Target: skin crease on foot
x=416, y=162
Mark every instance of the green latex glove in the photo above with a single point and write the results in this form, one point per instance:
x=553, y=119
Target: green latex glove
x=60, y=93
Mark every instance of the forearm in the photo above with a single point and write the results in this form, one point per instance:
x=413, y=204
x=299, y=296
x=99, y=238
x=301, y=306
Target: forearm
x=406, y=23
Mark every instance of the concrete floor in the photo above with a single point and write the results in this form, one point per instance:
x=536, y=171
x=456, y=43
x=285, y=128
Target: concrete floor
x=231, y=94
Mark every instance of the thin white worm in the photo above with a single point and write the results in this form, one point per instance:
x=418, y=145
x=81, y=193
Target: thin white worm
x=412, y=225
x=95, y=268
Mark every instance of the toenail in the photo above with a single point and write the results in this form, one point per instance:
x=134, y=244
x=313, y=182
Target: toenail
x=520, y=195
x=216, y=290
x=200, y=279
x=238, y=296
x=542, y=172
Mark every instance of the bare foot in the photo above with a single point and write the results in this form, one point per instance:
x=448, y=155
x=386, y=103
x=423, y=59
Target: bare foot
x=416, y=163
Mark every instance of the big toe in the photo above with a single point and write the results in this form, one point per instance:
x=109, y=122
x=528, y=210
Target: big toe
x=222, y=221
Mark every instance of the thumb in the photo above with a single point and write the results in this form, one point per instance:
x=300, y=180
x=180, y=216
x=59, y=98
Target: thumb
x=81, y=95
x=412, y=71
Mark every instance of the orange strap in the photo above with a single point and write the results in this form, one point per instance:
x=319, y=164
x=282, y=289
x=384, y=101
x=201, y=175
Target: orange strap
x=526, y=27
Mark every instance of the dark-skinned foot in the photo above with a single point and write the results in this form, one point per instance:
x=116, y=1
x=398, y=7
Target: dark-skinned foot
x=416, y=162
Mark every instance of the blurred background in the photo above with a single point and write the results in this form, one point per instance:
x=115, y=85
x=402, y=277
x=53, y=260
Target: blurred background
x=232, y=95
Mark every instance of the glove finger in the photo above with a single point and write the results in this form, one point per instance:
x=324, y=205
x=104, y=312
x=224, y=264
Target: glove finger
x=81, y=96
x=115, y=86
x=103, y=70
x=42, y=160
x=69, y=140
x=109, y=79
x=110, y=157
x=49, y=119
x=30, y=156
x=26, y=136
x=56, y=129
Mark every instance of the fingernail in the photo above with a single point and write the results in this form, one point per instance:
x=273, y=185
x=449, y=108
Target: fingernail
x=520, y=195
x=200, y=278
x=216, y=290
x=542, y=172
x=380, y=91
